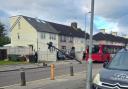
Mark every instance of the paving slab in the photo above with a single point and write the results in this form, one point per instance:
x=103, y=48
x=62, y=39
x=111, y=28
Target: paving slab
x=61, y=82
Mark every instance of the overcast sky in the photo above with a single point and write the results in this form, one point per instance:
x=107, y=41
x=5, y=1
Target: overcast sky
x=109, y=14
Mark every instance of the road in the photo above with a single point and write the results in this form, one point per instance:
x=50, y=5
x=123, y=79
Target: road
x=13, y=77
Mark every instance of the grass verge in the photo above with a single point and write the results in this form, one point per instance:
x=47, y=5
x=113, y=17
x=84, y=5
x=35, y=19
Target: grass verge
x=3, y=62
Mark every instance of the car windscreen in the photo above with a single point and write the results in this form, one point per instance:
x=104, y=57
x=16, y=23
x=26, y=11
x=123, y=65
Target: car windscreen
x=120, y=61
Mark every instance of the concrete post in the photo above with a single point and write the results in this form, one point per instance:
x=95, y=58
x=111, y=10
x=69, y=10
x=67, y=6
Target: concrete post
x=71, y=70
x=23, y=80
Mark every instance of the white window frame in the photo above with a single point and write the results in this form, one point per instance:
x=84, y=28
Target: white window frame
x=52, y=36
x=43, y=36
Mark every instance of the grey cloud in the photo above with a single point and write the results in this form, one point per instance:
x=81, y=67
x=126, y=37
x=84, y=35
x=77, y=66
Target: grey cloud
x=111, y=8
x=64, y=10
x=114, y=11
x=123, y=23
x=56, y=8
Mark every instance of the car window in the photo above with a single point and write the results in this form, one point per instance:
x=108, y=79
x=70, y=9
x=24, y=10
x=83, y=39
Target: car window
x=120, y=61
x=95, y=49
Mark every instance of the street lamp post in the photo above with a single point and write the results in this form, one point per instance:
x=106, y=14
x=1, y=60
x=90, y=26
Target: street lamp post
x=89, y=62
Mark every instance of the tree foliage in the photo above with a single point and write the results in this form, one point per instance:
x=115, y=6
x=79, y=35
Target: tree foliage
x=3, y=38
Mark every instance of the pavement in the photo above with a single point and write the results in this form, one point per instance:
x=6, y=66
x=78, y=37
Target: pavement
x=61, y=82
x=15, y=67
x=77, y=81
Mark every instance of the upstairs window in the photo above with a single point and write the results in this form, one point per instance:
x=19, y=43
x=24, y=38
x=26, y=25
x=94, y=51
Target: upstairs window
x=52, y=37
x=19, y=25
x=70, y=39
x=63, y=38
x=42, y=35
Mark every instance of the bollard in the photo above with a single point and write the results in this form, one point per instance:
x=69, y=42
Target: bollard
x=23, y=80
x=71, y=70
x=52, y=71
x=44, y=64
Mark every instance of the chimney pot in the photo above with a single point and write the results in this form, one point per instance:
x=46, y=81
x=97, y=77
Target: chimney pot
x=114, y=33
x=102, y=30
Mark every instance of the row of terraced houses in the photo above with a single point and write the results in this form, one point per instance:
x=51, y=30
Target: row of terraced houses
x=36, y=33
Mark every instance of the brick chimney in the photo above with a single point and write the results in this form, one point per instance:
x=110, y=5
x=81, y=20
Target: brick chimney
x=74, y=25
x=114, y=33
x=102, y=30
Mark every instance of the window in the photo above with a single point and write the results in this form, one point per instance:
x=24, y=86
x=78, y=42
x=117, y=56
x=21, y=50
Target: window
x=63, y=39
x=71, y=39
x=95, y=49
x=43, y=35
x=52, y=37
x=82, y=41
x=52, y=49
x=76, y=41
x=18, y=35
x=63, y=47
x=31, y=47
x=105, y=50
x=119, y=61
x=19, y=25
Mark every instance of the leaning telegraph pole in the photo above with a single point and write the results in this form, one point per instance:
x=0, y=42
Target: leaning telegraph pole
x=89, y=62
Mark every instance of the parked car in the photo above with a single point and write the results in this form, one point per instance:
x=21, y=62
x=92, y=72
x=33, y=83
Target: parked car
x=114, y=75
x=60, y=55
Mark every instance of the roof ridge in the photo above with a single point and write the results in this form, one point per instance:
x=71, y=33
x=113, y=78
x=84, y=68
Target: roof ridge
x=56, y=27
x=44, y=20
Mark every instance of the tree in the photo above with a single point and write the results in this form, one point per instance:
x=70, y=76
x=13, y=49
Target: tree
x=2, y=29
x=3, y=38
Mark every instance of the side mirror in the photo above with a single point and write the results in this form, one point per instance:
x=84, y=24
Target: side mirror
x=105, y=64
